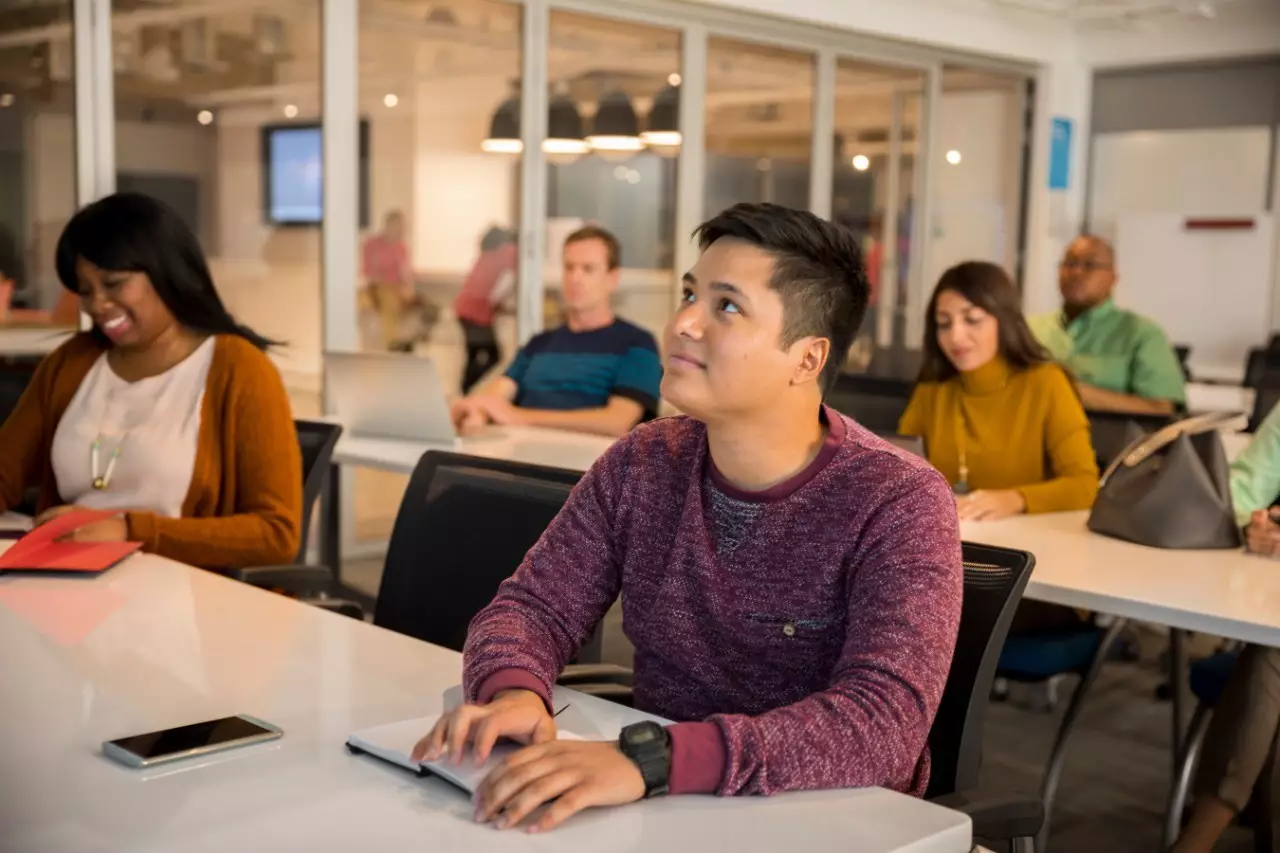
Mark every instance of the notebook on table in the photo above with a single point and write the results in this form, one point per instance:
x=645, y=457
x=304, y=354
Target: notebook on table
x=394, y=741
x=42, y=551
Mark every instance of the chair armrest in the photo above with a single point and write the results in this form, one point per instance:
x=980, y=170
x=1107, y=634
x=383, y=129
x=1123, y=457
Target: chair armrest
x=595, y=673
x=341, y=606
x=997, y=818
x=296, y=579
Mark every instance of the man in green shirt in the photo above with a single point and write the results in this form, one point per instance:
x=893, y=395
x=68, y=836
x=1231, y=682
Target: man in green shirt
x=1122, y=361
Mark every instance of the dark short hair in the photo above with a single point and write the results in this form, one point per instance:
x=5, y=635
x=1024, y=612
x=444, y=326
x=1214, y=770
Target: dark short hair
x=136, y=233
x=817, y=270
x=594, y=232
x=989, y=287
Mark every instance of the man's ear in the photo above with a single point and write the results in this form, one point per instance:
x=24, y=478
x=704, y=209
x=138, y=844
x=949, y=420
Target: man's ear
x=814, y=353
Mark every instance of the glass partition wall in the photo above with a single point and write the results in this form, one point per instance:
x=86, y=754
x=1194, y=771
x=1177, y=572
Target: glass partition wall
x=483, y=130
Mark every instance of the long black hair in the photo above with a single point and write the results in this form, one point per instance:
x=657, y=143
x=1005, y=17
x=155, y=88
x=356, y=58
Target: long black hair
x=990, y=288
x=132, y=232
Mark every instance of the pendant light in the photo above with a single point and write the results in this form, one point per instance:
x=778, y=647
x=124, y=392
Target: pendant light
x=663, y=131
x=504, y=128
x=615, y=131
x=565, y=141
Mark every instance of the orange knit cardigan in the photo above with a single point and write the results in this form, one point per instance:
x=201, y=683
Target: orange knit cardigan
x=244, y=505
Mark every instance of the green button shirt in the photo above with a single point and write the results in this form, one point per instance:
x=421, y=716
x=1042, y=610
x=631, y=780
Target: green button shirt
x=1116, y=350
x=1255, y=474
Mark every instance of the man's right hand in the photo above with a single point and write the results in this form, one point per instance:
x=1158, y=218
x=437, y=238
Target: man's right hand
x=1262, y=536
x=469, y=415
x=518, y=715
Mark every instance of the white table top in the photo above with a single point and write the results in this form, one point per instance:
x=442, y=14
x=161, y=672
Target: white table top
x=1204, y=397
x=18, y=341
x=1224, y=593
x=152, y=644
x=532, y=445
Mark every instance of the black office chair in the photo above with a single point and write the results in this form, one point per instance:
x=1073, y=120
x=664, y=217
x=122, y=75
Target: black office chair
x=464, y=526
x=1183, y=351
x=317, y=439
x=876, y=402
x=1266, y=395
x=1112, y=432
x=994, y=580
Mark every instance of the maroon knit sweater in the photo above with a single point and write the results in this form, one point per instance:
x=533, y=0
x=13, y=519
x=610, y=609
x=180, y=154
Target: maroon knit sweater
x=811, y=655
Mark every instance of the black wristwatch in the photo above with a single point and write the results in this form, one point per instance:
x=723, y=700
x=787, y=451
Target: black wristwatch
x=649, y=746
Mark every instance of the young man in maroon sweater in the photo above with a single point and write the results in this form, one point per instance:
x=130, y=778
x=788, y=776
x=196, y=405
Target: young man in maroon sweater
x=791, y=583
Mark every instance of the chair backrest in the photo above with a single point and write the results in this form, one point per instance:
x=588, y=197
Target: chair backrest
x=317, y=440
x=994, y=579
x=876, y=402
x=1266, y=395
x=910, y=443
x=463, y=528
x=1183, y=352
x=1112, y=432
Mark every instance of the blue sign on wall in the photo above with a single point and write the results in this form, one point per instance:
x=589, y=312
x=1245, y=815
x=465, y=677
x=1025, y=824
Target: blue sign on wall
x=1060, y=155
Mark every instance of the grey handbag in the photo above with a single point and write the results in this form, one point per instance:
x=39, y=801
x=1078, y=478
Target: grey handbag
x=1170, y=489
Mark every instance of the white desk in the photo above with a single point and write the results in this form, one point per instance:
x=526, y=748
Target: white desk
x=30, y=341
x=152, y=644
x=10, y=521
x=530, y=445
x=1206, y=397
x=1224, y=593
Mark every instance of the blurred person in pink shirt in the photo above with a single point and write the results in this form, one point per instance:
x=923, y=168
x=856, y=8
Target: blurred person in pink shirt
x=388, y=279
x=490, y=281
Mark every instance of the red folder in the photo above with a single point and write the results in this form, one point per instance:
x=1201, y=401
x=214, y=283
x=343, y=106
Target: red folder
x=40, y=550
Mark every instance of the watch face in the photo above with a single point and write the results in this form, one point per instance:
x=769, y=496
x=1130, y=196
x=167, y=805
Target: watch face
x=644, y=735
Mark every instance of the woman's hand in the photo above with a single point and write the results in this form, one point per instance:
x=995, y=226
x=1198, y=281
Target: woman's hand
x=990, y=505
x=114, y=529
x=56, y=512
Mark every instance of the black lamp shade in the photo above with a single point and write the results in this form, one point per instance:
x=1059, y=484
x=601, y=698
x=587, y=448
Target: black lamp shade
x=615, y=116
x=563, y=119
x=506, y=120
x=664, y=115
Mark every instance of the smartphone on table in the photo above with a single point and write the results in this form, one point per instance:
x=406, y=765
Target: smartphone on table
x=188, y=741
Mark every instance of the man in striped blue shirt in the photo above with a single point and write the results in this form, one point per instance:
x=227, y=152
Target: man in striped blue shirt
x=596, y=373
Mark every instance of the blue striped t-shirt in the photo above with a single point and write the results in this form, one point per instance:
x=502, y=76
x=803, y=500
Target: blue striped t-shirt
x=565, y=370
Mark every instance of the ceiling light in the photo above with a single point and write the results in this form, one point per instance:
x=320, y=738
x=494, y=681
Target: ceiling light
x=615, y=131
x=1206, y=10
x=861, y=162
x=764, y=164
x=290, y=111
x=6, y=99
x=390, y=99
x=204, y=117
x=565, y=140
x=674, y=79
x=504, y=129
x=633, y=177
x=953, y=157
x=663, y=131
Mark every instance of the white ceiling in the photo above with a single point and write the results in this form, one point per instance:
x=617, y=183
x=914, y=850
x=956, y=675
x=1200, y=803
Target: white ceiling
x=1113, y=11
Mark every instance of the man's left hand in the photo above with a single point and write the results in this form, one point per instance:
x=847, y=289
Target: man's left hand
x=990, y=505
x=576, y=774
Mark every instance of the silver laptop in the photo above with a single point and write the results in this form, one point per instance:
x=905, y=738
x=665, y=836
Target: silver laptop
x=388, y=395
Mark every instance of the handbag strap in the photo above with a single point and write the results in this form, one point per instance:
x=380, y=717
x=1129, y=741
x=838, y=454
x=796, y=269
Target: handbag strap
x=1145, y=447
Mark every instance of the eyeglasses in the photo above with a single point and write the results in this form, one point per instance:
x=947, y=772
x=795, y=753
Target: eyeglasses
x=1083, y=266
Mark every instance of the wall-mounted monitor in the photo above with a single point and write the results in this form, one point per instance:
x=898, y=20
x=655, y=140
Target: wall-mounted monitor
x=293, y=173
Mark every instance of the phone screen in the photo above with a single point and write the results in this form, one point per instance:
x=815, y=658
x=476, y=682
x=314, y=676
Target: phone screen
x=194, y=736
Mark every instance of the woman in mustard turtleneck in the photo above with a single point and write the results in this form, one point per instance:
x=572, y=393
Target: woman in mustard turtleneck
x=999, y=418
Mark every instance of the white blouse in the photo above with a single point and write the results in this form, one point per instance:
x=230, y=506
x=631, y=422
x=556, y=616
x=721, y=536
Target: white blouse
x=155, y=423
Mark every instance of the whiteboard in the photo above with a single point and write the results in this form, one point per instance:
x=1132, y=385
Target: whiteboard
x=1209, y=289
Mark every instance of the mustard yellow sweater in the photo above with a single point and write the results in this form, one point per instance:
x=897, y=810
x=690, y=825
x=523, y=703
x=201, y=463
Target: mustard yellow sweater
x=1017, y=429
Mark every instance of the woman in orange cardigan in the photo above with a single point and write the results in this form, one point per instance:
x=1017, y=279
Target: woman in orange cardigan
x=167, y=411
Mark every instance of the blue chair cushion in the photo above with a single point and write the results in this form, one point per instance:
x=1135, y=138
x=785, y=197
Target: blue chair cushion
x=1035, y=657
x=1209, y=676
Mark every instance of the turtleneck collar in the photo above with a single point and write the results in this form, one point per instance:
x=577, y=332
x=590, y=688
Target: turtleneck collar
x=991, y=377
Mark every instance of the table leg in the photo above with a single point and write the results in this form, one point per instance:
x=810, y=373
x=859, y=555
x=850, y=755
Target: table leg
x=331, y=512
x=1178, y=688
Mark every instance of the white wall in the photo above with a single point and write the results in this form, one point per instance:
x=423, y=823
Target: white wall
x=1217, y=172
x=1241, y=28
